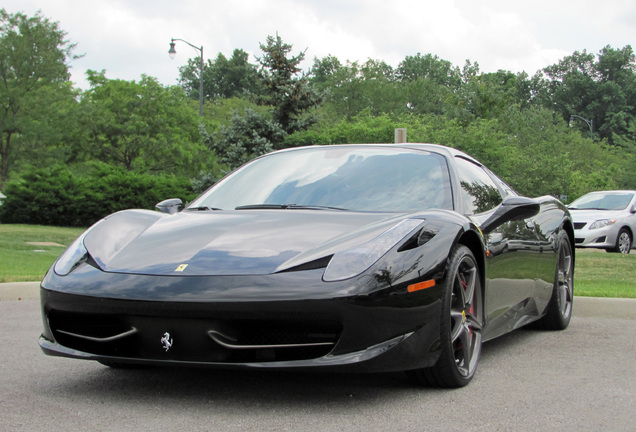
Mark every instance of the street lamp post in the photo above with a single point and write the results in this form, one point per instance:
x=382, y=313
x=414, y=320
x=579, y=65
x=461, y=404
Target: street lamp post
x=172, y=52
x=589, y=123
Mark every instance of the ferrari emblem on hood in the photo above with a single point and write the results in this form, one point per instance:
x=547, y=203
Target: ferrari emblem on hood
x=181, y=267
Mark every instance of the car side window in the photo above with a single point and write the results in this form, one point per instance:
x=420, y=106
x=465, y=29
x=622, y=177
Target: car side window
x=479, y=191
x=503, y=186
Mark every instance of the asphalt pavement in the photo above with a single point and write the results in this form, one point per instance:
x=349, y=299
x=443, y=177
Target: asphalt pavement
x=580, y=379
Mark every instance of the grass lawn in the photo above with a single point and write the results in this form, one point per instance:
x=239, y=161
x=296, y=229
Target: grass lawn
x=602, y=274
x=24, y=262
x=597, y=273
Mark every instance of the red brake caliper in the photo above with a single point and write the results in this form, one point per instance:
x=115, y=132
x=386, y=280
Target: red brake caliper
x=462, y=279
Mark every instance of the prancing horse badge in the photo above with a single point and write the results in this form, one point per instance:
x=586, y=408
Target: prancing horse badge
x=166, y=341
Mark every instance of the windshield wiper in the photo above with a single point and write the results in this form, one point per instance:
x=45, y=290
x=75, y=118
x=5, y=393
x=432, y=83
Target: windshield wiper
x=314, y=207
x=286, y=207
x=202, y=208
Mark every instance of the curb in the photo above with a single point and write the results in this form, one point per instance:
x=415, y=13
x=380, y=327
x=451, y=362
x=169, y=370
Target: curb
x=604, y=307
x=20, y=291
x=585, y=307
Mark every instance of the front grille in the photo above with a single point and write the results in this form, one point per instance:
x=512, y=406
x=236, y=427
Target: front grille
x=87, y=325
x=254, y=334
x=195, y=339
x=97, y=334
x=579, y=225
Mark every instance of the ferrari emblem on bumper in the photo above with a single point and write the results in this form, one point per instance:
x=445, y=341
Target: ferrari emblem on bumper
x=166, y=341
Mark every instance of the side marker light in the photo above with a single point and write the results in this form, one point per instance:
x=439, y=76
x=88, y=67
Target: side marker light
x=421, y=285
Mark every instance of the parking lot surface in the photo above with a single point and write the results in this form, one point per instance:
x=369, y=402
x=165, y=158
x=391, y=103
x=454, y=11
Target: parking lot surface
x=578, y=379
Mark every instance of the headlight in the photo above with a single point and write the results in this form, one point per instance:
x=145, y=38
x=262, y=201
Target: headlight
x=602, y=223
x=352, y=262
x=73, y=256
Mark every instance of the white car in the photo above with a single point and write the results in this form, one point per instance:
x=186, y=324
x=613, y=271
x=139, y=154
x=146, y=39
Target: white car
x=605, y=220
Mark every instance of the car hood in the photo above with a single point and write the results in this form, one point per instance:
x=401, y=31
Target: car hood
x=594, y=215
x=200, y=243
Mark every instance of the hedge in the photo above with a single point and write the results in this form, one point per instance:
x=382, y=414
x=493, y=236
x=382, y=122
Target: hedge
x=56, y=196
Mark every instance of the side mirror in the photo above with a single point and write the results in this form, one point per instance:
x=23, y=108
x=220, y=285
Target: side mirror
x=513, y=208
x=170, y=206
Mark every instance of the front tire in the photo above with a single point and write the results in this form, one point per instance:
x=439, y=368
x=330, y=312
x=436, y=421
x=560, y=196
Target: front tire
x=623, y=242
x=461, y=324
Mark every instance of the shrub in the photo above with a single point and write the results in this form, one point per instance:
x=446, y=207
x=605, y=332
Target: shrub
x=56, y=196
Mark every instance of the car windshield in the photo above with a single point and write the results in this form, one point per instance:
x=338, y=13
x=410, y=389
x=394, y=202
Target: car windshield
x=602, y=201
x=358, y=178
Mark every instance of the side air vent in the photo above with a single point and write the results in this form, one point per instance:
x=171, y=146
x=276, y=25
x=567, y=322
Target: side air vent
x=419, y=239
x=312, y=265
x=98, y=334
x=260, y=341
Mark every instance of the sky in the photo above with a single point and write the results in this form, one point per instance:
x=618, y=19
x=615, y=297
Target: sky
x=128, y=38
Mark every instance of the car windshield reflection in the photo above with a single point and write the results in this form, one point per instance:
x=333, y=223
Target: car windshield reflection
x=364, y=178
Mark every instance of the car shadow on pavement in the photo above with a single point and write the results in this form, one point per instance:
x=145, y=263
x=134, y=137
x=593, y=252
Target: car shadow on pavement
x=191, y=387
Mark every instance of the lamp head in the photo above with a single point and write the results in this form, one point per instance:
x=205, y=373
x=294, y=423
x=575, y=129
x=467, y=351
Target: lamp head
x=172, y=52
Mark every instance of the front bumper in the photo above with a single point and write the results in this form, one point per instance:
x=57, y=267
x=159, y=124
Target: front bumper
x=220, y=321
x=602, y=238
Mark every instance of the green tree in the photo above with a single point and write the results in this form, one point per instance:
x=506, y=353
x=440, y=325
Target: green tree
x=33, y=78
x=288, y=91
x=223, y=78
x=323, y=70
x=362, y=129
x=52, y=133
x=140, y=125
x=250, y=134
x=341, y=86
x=352, y=88
x=601, y=89
x=489, y=95
x=429, y=67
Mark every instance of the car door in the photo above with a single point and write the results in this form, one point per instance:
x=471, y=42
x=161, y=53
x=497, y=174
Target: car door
x=511, y=250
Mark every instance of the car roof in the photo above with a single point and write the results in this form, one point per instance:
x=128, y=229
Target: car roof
x=612, y=192
x=437, y=148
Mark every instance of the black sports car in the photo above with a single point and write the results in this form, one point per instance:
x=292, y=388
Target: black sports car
x=371, y=257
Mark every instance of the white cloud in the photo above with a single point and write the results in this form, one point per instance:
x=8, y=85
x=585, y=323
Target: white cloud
x=130, y=38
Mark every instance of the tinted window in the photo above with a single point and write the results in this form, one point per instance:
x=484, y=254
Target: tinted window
x=503, y=186
x=479, y=191
x=363, y=178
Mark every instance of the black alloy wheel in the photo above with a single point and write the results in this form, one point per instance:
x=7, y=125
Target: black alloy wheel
x=461, y=324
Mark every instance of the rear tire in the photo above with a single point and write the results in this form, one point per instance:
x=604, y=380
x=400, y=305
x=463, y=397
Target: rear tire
x=559, y=310
x=461, y=324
